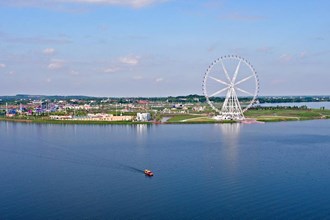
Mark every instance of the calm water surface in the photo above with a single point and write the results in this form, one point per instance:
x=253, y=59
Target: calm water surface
x=248, y=171
x=316, y=105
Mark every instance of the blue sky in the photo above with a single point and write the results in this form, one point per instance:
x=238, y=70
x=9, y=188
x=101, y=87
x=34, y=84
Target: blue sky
x=160, y=47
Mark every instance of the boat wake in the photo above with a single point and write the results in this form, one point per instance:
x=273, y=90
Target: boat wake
x=65, y=154
x=130, y=168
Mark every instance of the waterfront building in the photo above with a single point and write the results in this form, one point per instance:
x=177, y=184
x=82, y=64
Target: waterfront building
x=143, y=116
x=94, y=117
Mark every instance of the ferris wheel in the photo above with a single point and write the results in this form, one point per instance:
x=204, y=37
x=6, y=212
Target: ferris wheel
x=230, y=86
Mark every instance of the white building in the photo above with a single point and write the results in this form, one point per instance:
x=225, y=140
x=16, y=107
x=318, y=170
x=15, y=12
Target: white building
x=143, y=117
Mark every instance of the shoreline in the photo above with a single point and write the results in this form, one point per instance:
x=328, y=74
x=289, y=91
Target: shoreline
x=247, y=121
x=252, y=116
x=80, y=122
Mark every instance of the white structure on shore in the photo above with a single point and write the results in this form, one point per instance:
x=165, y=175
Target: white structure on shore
x=143, y=116
x=234, y=79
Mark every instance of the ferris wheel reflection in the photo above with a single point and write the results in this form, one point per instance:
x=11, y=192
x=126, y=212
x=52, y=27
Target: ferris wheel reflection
x=230, y=142
x=230, y=133
x=230, y=129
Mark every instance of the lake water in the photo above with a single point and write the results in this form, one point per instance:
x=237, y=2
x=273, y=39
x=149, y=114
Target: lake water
x=316, y=105
x=212, y=171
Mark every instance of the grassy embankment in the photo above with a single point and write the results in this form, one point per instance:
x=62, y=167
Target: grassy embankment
x=193, y=119
x=287, y=114
x=260, y=115
x=273, y=115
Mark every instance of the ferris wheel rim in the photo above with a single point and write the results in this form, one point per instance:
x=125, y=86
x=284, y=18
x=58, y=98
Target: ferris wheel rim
x=240, y=59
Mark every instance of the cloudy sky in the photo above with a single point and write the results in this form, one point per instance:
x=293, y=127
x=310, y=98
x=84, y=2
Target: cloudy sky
x=160, y=47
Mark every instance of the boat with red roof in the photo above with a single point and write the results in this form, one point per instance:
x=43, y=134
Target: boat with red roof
x=148, y=173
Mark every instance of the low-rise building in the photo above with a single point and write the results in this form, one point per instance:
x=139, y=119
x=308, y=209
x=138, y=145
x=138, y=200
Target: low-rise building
x=94, y=117
x=60, y=117
x=143, y=116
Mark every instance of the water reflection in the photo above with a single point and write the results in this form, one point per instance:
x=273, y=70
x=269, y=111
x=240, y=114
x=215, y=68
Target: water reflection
x=230, y=132
x=230, y=142
x=141, y=129
x=141, y=134
x=7, y=127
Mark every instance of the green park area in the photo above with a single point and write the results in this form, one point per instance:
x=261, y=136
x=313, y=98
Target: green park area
x=269, y=115
x=265, y=115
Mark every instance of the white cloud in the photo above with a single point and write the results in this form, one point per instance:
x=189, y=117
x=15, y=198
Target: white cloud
x=129, y=3
x=130, y=60
x=111, y=70
x=48, y=80
x=286, y=58
x=56, y=64
x=74, y=73
x=48, y=51
x=159, y=79
x=2, y=65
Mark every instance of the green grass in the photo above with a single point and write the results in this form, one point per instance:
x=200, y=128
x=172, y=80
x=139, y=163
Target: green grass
x=276, y=119
x=194, y=119
x=287, y=114
x=180, y=118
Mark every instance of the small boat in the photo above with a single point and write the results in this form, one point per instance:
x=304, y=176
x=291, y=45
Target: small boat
x=148, y=173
